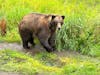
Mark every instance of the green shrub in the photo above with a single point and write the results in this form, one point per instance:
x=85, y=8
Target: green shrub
x=81, y=29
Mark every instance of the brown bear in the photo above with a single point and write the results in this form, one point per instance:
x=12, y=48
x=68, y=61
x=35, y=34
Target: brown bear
x=43, y=26
x=3, y=26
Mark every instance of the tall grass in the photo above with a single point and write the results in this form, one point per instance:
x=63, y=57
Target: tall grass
x=80, y=31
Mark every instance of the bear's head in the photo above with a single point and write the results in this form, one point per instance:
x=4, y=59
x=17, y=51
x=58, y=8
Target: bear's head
x=56, y=22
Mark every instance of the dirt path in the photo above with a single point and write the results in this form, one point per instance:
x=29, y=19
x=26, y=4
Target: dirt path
x=36, y=49
x=8, y=73
x=39, y=48
x=18, y=47
x=13, y=46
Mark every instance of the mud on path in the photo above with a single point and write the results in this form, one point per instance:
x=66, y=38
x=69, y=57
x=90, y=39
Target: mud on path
x=13, y=46
x=8, y=73
x=35, y=50
x=18, y=47
x=38, y=49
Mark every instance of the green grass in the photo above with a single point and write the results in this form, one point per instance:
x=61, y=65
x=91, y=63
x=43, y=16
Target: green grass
x=82, y=23
x=48, y=63
x=80, y=31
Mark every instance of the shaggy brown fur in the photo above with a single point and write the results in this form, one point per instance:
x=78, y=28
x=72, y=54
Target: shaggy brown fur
x=3, y=27
x=41, y=25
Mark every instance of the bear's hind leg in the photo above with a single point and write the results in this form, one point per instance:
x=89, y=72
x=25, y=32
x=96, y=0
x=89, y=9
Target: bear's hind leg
x=25, y=35
x=25, y=44
x=31, y=41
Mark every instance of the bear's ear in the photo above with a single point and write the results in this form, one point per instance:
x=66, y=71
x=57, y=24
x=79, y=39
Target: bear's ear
x=53, y=16
x=50, y=17
x=63, y=17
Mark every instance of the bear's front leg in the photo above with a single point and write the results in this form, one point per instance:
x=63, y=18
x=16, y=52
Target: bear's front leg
x=46, y=45
x=44, y=41
x=52, y=41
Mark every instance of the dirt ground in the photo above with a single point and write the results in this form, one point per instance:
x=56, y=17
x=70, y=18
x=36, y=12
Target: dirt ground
x=18, y=47
x=8, y=73
x=37, y=49
x=34, y=50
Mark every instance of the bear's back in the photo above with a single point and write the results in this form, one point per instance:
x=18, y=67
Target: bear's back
x=34, y=22
x=35, y=18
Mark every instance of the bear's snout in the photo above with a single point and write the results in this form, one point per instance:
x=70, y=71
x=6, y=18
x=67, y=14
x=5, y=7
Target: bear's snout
x=58, y=26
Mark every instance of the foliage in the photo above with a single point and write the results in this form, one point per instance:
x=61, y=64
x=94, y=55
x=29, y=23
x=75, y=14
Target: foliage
x=80, y=31
x=13, y=61
x=47, y=63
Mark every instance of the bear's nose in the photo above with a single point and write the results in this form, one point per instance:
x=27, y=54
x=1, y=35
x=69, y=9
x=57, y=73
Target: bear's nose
x=58, y=28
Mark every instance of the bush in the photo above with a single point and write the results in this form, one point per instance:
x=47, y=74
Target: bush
x=80, y=31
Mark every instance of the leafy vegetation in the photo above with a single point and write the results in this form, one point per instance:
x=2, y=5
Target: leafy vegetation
x=47, y=63
x=80, y=31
